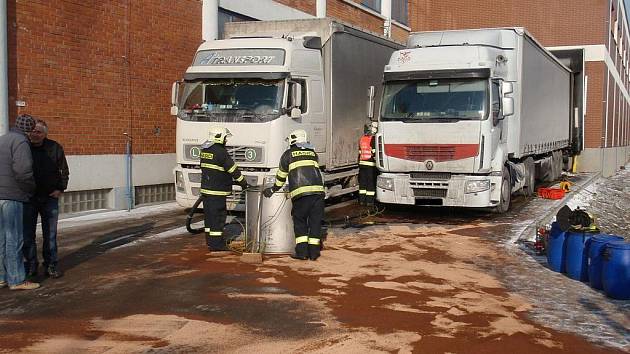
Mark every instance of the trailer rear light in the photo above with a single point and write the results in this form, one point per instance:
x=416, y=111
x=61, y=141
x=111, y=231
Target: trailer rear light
x=385, y=183
x=477, y=186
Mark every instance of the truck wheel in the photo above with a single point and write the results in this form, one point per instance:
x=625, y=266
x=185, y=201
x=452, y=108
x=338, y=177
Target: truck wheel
x=530, y=177
x=506, y=193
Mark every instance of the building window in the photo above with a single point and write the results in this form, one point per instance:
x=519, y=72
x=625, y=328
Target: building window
x=372, y=4
x=226, y=16
x=399, y=11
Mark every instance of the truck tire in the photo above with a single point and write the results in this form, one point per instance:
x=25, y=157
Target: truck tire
x=530, y=177
x=506, y=193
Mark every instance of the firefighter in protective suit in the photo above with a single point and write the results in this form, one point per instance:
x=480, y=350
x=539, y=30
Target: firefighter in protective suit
x=306, y=186
x=367, y=166
x=218, y=173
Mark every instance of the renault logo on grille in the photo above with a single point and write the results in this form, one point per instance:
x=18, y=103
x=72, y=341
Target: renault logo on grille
x=429, y=165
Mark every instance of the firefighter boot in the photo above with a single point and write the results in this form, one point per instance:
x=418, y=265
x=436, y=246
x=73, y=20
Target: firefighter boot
x=216, y=243
x=301, y=251
x=313, y=252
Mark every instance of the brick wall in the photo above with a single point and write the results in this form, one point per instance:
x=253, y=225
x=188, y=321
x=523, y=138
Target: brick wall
x=96, y=69
x=554, y=23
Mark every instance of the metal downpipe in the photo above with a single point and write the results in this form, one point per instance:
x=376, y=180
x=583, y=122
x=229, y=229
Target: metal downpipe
x=4, y=68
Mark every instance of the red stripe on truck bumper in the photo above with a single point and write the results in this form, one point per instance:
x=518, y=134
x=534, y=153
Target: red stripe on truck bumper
x=435, y=152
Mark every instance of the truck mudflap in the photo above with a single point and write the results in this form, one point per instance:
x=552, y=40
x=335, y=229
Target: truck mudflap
x=446, y=190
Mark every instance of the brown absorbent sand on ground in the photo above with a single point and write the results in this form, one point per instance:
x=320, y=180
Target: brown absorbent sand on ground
x=402, y=288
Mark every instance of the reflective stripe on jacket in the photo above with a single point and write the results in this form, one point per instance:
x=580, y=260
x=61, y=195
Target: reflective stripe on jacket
x=217, y=170
x=301, y=167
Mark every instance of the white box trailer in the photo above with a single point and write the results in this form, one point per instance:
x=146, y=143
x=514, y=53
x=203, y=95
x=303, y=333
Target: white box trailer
x=268, y=78
x=470, y=116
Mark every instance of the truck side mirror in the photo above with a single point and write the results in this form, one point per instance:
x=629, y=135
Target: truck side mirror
x=296, y=95
x=370, y=103
x=174, y=95
x=508, y=106
x=507, y=88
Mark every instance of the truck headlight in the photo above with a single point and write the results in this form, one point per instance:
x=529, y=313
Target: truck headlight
x=477, y=186
x=385, y=183
x=179, y=181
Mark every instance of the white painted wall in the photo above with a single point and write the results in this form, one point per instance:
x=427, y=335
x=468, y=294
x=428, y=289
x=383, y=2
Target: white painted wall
x=263, y=9
x=108, y=171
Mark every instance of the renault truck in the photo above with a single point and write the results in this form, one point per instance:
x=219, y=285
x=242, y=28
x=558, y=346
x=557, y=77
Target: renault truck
x=268, y=78
x=468, y=117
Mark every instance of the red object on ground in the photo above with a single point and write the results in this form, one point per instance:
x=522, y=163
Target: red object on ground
x=550, y=193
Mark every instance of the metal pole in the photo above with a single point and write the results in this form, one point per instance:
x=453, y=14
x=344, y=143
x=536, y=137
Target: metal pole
x=320, y=8
x=210, y=20
x=128, y=172
x=4, y=77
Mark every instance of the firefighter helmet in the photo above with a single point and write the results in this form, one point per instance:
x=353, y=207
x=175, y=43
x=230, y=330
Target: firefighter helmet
x=218, y=134
x=298, y=137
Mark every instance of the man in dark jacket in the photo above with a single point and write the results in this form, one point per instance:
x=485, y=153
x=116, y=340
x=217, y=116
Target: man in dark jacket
x=16, y=187
x=218, y=173
x=306, y=186
x=51, y=178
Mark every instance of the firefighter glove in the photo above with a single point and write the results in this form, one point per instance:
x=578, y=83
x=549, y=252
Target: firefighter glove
x=268, y=192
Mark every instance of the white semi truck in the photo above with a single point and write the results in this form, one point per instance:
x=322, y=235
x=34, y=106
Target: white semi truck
x=271, y=77
x=470, y=116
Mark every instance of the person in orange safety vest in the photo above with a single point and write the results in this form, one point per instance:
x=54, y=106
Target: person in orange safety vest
x=367, y=166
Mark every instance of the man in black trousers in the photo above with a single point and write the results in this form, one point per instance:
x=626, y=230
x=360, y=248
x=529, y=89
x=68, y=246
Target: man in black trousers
x=218, y=173
x=51, y=179
x=300, y=165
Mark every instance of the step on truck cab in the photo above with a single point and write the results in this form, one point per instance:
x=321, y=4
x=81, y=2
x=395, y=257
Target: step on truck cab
x=469, y=116
x=268, y=78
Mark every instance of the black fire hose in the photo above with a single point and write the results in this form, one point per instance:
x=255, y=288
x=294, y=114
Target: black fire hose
x=192, y=212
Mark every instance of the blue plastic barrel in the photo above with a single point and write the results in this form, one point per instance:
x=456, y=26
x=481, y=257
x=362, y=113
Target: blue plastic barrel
x=616, y=270
x=595, y=260
x=556, y=249
x=577, y=254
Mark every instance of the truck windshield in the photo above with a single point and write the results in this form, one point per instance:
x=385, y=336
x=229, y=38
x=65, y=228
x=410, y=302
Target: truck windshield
x=231, y=100
x=435, y=99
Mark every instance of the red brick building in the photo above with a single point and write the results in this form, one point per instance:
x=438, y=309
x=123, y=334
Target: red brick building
x=97, y=69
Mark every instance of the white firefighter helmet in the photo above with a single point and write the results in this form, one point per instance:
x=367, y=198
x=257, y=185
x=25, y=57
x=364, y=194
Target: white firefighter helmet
x=298, y=137
x=218, y=134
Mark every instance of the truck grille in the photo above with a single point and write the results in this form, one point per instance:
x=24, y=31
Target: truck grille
x=435, y=152
x=247, y=154
x=429, y=193
x=431, y=176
